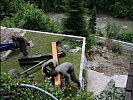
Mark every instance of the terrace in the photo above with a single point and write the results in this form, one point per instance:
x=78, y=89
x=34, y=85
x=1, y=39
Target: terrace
x=42, y=42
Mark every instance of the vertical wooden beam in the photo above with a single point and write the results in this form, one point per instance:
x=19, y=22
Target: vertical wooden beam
x=55, y=57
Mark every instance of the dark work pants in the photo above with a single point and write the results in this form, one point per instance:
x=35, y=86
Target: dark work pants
x=23, y=49
x=73, y=78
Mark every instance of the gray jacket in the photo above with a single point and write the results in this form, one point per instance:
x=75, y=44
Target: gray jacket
x=65, y=68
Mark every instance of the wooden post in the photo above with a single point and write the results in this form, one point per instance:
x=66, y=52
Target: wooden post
x=55, y=57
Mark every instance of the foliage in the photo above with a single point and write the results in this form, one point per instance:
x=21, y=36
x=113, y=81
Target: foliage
x=29, y=17
x=72, y=43
x=84, y=74
x=100, y=43
x=9, y=7
x=75, y=22
x=126, y=36
x=113, y=29
x=111, y=92
x=11, y=86
x=90, y=41
x=99, y=32
x=49, y=5
x=92, y=21
x=118, y=8
x=116, y=48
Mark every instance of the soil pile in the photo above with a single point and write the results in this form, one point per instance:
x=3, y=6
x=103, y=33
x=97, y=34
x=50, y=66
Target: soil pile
x=104, y=61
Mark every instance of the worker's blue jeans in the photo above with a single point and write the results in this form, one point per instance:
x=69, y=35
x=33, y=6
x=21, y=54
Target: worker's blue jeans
x=4, y=46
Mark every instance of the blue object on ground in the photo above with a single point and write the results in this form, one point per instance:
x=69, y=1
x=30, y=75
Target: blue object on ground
x=9, y=45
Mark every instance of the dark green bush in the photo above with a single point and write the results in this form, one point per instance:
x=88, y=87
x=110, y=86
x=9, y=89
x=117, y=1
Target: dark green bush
x=90, y=42
x=100, y=43
x=126, y=36
x=9, y=7
x=12, y=85
x=29, y=17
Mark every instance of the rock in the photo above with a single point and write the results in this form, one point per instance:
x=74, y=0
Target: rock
x=39, y=85
x=75, y=50
x=93, y=65
x=31, y=76
x=104, y=49
x=106, y=55
x=66, y=48
x=12, y=72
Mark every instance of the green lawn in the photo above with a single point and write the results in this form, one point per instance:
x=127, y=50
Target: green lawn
x=42, y=46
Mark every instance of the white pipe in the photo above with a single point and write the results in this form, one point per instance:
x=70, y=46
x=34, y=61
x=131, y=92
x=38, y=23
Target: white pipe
x=37, y=88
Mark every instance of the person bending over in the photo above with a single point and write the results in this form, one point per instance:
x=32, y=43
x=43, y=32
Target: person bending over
x=66, y=69
x=22, y=43
x=47, y=68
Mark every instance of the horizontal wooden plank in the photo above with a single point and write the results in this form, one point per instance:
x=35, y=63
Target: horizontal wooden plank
x=39, y=57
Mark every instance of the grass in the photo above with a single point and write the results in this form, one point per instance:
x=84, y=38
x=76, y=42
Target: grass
x=42, y=46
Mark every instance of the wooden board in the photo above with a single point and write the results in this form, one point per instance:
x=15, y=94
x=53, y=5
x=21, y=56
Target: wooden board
x=55, y=57
x=128, y=96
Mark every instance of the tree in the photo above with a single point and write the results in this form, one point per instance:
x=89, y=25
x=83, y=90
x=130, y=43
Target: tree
x=75, y=22
x=92, y=21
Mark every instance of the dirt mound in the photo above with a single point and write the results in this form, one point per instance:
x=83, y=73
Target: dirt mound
x=104, y=61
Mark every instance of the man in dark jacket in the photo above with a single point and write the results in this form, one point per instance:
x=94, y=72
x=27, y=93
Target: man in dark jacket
x=66, y=69
x=48, y=67
x=22, y=43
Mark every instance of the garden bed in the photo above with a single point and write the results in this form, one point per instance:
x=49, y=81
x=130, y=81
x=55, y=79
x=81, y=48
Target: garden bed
x=42, y=46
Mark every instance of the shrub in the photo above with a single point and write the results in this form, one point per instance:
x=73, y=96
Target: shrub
x=113, y=29
x=75, y=22
x=11, y=86
x=116, y=48
x=126, y=36
x=100, y=43
x=29, y=17
x=99, y=32
x=90, y=42
x=9, y=7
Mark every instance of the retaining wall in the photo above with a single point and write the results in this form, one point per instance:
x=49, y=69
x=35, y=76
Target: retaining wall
x=127, y=47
